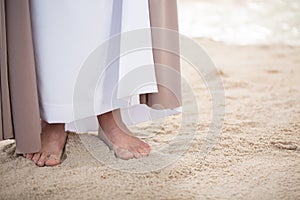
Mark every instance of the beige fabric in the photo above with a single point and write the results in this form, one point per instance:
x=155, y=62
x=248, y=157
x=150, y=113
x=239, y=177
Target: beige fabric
x=163, y=14
x=19, y=100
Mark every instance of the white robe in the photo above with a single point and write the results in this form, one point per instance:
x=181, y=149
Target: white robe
x=66, y=32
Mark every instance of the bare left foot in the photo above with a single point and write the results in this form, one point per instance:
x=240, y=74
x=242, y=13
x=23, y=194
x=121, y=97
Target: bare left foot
x=119, y=138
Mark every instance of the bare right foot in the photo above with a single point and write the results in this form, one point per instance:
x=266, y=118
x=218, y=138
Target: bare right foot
x=53, y=138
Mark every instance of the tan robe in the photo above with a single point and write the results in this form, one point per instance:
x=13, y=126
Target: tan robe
x=19, y=111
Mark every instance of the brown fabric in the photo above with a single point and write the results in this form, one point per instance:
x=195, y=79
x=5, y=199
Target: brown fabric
x=19, y=99
x=6, y=129
x=163, y=14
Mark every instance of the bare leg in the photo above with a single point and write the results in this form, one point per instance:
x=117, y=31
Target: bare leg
x=119, y=138
x=53, y=138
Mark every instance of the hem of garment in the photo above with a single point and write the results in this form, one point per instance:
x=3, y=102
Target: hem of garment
x=131, y=115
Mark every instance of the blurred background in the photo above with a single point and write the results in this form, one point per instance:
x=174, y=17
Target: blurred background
x=242, y=22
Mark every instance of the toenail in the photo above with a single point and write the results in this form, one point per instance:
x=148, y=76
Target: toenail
x=52, y=157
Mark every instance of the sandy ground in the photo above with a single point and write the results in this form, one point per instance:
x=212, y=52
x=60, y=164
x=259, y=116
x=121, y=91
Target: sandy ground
x=257, y=156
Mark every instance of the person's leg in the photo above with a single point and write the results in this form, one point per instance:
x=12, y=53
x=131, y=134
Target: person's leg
x=53, y=138
x=119, y=138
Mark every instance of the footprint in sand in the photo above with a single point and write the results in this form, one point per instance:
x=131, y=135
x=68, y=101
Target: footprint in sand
x=272, y=71
x=285, y=145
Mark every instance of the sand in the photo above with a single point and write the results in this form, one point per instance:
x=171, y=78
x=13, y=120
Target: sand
x=257, y=155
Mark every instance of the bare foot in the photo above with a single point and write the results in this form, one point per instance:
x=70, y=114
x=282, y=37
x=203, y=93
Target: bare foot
x=119, y=138
x=53, y=138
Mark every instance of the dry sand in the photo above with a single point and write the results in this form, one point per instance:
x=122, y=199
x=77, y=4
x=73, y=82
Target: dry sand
x=257, y=156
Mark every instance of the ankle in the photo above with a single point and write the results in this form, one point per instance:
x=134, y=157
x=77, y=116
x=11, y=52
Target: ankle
x=110, y=121
x=56, y=127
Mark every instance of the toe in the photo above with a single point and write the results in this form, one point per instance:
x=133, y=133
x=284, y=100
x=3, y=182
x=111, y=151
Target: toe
x=123, y=153
x=137, y=153
x=145, y=149
x=147, y=146
x=144, y=152
x=36, y=157
x=52, y=160
x=41, y=161
x=29, y=156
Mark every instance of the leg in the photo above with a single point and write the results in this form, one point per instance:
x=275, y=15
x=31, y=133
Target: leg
x=119, y=138
x=53, y=138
